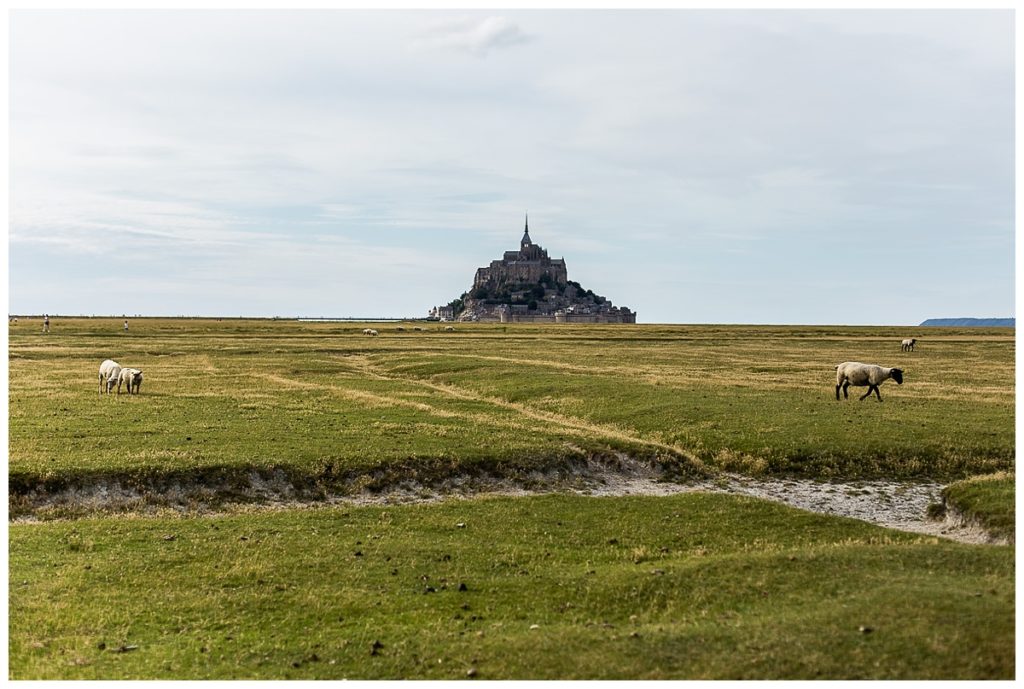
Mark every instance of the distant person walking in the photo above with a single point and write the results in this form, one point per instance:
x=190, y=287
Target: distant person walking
x=46, y=323
x=126, y=326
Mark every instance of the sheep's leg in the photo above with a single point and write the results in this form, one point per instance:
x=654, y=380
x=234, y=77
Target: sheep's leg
x=878, y=394
x=837, y=393
x=846, y=390
x=870, y=387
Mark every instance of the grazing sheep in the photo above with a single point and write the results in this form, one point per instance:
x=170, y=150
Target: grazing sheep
x=400, y=329
x=109, y=372
x=853, y=373
x=132, y=378
x=908, y=344
x=449, y=328
x=418, y=329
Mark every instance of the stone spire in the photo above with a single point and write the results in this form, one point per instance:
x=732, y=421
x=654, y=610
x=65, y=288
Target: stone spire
x=526, y=233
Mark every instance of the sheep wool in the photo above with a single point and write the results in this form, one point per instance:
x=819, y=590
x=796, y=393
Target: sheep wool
x=131, y=378
x=859, y=375
x=110, y=370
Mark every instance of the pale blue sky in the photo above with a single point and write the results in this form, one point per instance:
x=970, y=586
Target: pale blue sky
x=697, y=166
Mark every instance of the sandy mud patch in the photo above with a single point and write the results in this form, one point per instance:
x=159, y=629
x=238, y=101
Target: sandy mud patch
x=899, y=505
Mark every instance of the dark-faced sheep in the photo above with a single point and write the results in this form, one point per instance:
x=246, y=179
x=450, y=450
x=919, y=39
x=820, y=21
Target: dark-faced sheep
x=908, y=344
x=857, y=374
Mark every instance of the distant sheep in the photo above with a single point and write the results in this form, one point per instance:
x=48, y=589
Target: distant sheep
x=908, y=344
x=370, y=331
x=449, y=328
x=400, y=329
x=110, y=370
x=853, y=373
x=132, y=379
x=418, y=329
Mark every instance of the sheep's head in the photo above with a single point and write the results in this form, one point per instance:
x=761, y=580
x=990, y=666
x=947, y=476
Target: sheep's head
x=897, y=375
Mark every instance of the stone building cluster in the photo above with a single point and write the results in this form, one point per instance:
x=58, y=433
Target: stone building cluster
x=529, y=286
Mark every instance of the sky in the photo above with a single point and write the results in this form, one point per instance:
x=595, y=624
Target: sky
x=697, y=166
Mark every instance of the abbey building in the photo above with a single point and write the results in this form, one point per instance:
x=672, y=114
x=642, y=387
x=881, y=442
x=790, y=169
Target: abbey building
x=529, y=286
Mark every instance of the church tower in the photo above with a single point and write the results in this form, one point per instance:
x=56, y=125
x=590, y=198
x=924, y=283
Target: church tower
x=525, y=242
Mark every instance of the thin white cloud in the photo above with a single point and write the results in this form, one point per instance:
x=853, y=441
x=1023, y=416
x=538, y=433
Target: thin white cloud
x=226, y=148
x=475, y=36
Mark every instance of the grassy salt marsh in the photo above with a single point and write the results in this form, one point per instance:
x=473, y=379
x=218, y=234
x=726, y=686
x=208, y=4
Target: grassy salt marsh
x=559, y=586
x=320, y=399
x=686, y=586
x=987, y=501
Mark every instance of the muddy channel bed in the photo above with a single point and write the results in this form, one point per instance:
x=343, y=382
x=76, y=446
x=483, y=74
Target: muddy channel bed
x=892, y=504
x=899, y=505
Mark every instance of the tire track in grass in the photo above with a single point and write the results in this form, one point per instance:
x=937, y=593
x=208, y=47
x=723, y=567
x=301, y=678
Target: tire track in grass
x=565, y=424
x=377, y=400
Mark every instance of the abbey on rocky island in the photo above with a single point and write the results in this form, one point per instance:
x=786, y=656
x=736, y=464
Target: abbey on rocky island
x=529, y=286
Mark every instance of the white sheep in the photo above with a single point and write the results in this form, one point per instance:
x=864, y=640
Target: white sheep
x=857, y=374
x=400, y=329
x=449, y=328
x=132, y=378
x=373, y=333
x=109, y=372
x=908, y=344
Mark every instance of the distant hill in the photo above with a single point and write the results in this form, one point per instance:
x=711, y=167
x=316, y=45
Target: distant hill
x=971, y=322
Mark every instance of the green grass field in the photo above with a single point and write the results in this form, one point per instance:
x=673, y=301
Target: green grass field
x=985, y=500
x=692, y=586
x=321, y=398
